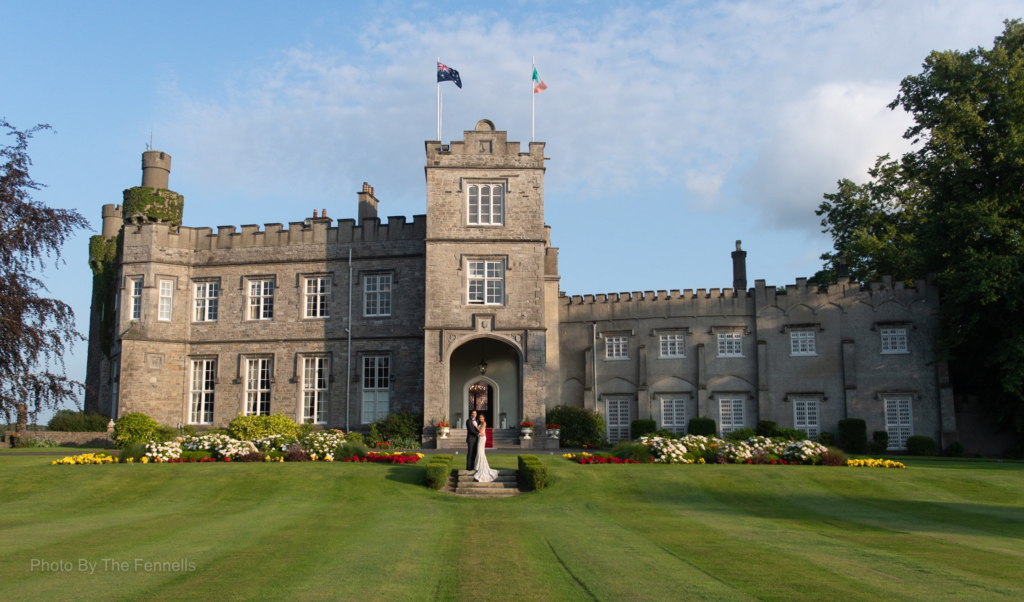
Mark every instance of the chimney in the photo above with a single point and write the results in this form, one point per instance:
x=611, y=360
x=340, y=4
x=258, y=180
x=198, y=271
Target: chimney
x=314, y=214
x=156, y=169
x=367, y=203
x=739, y=269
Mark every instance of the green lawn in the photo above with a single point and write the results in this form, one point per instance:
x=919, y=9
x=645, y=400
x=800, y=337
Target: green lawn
x=939, y=530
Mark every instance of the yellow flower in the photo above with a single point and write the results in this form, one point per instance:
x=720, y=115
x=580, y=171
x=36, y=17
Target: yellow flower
x=145, y=460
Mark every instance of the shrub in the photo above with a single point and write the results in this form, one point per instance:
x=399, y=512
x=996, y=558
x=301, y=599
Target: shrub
x=954, y=450
x=250, y=428
x=438, y=470
x=791, y=434
x=532, y=473
x=400, y=425
x=350, y=448
x=70, y=421
x=405, y=444
x=741, y=434
x=297, y=455
x=826, y=439
x=195, y=455
x=37, y=442
x=187, y=430
x=704, y=427
x=166, y=433
x=642, y=426
x=250, y=457
x=275, y=455
x=354, y=436
x=921, y=445
x=305, y=429
x=665, y=434
x=135, y=451
x=580, y=426
x=134, y=427
x=879, y=442
x=627, y=450
x=766, y=428
x=833, y=457
x=853, y=435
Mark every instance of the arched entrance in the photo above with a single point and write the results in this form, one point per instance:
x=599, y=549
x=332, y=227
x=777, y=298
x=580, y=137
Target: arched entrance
x=484, y=375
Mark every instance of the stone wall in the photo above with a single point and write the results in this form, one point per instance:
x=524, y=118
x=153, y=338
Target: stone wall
x=69, y=439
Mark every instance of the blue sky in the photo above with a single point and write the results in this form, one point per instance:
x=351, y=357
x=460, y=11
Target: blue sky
x=674, y=128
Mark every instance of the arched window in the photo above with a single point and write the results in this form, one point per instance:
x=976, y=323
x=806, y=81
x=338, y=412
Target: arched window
x=486, y=203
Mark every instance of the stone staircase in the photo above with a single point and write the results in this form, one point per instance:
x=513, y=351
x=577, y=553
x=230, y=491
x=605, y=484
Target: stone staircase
x=505, y=485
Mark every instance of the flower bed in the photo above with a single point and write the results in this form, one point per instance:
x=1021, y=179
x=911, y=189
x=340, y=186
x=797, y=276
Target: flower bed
x=387, y=458
x=585, y=458
x=95, y=458
x=875, y=463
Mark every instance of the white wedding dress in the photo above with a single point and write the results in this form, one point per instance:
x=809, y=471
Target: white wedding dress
x=482, y=470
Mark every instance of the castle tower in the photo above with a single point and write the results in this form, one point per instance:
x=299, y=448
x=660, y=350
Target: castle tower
x=156, y=169
x=152, y=201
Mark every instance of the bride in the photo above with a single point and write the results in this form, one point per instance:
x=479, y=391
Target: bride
x=483, y=472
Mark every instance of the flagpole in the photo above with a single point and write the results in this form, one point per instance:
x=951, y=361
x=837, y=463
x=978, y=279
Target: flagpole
x=439, y=133
x=533, y=101
x=439, y=106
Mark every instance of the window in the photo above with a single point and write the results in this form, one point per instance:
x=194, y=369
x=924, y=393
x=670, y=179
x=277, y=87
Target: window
x=135, y=295
x=204, y=375
x=673, y=415
x=805, y=417
x=894, y=340
x=899, y=421
x=166, y=300
x=261, y=299
x=206, y=301
x=672, y=345
x=801, y=342
x=257, y=386
x=376, y=387
x=618, y=419
x=377, y=290
x=485, y=205
x=730, y=344
x=731, y=414
x=616, y=348
x=487, y=282
x=314, y=389
x=318, y=297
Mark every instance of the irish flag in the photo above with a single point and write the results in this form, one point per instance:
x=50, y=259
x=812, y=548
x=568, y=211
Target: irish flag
x=538, y=85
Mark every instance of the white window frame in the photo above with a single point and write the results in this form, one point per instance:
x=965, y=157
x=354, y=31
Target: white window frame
x=730, y=344
x=495, y=205
x=485, y=284
x=614, y=410
x=616, y=347
x=316, y=384
x=376, y=387
x=672, y=345
x=899, y=420
x=207, y=296
x=202, y=391
x=259, y=376
x=729, y=408
x=316, y=297
x=673, y=414
x=807, y=416
x=135, y=298
x=803, y=343
x=377, y=295
x=895, y=341
x=261, y=299
x=165, y=307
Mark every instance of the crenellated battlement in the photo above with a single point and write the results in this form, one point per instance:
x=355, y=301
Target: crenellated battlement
x=311, y=231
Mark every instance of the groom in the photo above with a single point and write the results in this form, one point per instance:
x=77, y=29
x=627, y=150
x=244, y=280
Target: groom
x=472, y=437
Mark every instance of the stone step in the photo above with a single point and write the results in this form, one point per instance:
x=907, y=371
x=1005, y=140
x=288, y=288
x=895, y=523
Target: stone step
x=502, y=472
x=491, y=485
x=499, y=479
x=486, y=493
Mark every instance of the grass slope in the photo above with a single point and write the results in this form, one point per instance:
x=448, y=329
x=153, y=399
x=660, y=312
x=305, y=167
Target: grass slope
x=939, y=530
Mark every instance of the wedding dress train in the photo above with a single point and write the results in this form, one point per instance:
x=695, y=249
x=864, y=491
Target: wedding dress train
x=482, y=470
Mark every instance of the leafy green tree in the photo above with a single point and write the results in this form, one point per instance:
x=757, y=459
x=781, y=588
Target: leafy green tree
x=34, y=330
x=954, y=207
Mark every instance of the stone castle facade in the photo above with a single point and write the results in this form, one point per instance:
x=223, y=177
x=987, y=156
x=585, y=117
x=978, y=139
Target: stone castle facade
x=343, y=321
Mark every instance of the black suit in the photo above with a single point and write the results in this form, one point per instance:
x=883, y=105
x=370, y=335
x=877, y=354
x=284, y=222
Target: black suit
x=472, y=438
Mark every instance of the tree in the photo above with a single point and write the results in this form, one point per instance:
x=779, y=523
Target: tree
x=34, y=330
x=962, y=214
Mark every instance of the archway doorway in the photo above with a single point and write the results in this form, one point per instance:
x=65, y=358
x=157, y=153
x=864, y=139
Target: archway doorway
x=484, y=375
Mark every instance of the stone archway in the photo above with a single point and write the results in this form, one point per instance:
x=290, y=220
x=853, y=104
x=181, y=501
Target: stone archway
x=493, y=366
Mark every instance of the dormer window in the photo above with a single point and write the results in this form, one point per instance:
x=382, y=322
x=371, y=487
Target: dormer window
x=486, y=204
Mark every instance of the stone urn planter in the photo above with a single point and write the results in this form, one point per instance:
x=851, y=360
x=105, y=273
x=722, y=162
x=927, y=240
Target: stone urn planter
x=444, y=432
x=526, y=432
x=553, y=433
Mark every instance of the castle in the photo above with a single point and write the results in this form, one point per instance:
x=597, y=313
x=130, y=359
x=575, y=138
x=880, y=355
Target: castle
x=341, y=322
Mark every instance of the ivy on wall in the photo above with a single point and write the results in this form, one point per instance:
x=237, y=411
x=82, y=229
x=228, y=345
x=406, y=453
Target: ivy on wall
x=153, y=204
x=103, y=259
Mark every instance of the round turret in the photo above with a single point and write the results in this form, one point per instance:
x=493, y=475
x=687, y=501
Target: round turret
x=156, y=169
x=112, y=220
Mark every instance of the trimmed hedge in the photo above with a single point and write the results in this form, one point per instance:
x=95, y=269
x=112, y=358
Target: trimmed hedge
x=400, y=425
x=250, y=428
x=853, y=435
x=579, y=425
x=438, y=470
x=879, y=442
x=134, y=427
x=921, y=445
x=642, y=426
x=704, y=427
x=826, y=439
x=70, y=421
x=532, y=473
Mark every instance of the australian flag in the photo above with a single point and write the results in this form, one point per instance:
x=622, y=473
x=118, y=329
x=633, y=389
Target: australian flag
x=447, y=74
